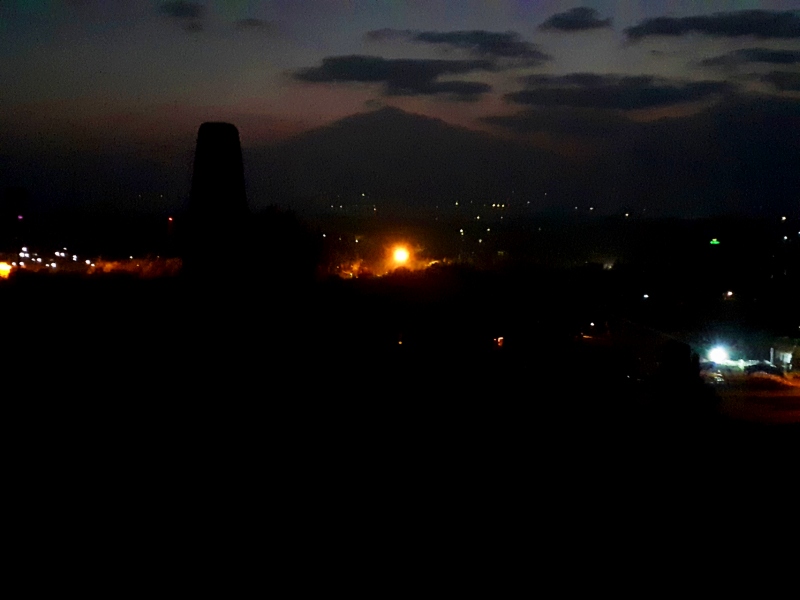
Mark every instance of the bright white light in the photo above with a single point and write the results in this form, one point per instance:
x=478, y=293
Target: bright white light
x=729, y=294
x=92, y=264
x=22, y=254
x=53, y=265
x=38, y=260
x=646, y=296
x=74, y=257
x=591, y=324
x=783, y=218
x=718, y=354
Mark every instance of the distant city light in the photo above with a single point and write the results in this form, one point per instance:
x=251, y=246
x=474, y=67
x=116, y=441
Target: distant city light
x=169, y=218
x=714, y=242
x=400, y=255
x=19, y=217
x=729, y=294
x=783, y=218
x=24, y=248
x=5, y=270
x=646, y=296
x=718, y=354
x=88, y=262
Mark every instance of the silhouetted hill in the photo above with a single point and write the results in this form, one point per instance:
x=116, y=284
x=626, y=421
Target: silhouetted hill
x=395, y=156
x=657, y=168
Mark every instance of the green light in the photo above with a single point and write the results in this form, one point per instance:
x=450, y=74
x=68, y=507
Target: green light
x=714, y=242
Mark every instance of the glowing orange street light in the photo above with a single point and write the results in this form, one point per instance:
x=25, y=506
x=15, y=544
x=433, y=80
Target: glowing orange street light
x=400, y=255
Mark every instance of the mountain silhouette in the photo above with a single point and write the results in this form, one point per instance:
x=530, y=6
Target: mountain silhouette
x=416, y=162
x=397, y=157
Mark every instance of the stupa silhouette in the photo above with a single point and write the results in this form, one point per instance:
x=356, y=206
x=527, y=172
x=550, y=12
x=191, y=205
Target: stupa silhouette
x=218, y=214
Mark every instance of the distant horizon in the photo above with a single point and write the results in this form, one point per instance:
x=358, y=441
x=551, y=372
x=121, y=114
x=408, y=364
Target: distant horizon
x=684, y=110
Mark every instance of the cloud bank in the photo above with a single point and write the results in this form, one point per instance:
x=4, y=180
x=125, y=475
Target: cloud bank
x=576, y=19
x=586, y=90
x=401, y=77
x=757, y=23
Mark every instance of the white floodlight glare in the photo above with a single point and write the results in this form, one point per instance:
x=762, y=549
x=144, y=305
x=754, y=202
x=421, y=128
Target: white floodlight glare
x=718, y=354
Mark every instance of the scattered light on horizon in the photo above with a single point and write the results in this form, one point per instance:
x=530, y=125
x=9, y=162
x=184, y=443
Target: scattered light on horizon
x=718, y=354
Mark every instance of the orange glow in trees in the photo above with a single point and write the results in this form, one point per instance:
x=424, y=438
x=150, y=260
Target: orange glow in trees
x=400, y=255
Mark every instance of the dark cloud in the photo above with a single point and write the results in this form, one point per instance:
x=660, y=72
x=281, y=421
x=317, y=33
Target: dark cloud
x=401, y=77
x=585, y=90
x=477, y=42
x=758, y=23
x=754, y=55
x=256, y=24
x=485, y=43
x=576, y=19
x=182, y=10
x=784, y=81
x=188, y=14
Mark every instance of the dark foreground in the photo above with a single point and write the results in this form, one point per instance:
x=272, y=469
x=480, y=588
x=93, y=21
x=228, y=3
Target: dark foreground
x=145, y=417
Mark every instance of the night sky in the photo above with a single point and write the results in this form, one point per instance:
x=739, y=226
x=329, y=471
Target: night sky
x=679, y=107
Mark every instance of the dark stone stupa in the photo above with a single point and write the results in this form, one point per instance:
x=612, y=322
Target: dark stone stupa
x=218, y=214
